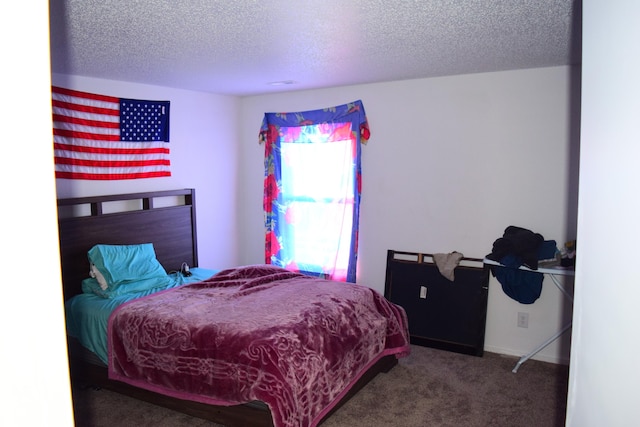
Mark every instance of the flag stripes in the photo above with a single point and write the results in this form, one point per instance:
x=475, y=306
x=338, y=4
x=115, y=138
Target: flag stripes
x=88, y=143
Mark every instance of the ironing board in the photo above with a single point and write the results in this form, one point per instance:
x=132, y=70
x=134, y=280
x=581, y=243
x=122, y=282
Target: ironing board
x=553, y=272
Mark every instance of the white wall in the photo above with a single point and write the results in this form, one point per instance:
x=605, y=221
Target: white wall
x=604, y=376
x=451, y=163
x=203, y=156
x=35, y=377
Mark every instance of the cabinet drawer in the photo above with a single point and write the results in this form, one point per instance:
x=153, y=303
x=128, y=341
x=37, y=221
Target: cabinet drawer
x=450, y=315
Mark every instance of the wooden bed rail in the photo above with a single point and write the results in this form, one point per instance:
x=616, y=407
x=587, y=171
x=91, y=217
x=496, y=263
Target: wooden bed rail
x=147, y=198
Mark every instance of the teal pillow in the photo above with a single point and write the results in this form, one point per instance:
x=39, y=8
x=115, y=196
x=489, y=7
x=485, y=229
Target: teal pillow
x=91, y=285
x=113, y=265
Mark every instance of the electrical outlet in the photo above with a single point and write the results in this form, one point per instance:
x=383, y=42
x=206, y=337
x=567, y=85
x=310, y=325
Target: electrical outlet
x=523, y=320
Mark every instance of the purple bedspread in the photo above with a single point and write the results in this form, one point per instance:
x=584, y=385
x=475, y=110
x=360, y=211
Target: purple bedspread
x=295, y=342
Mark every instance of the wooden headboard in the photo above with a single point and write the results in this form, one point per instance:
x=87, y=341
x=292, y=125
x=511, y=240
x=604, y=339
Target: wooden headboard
x=165, y=218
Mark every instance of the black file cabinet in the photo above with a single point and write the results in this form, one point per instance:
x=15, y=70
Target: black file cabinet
x=444, y=314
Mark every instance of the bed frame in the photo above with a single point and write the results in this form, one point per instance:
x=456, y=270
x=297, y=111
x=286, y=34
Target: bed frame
x=168, y=220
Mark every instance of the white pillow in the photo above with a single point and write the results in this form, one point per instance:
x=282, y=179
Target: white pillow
x=95, y=273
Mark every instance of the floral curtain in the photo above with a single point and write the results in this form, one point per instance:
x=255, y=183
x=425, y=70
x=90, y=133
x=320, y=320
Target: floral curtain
x=312, y=189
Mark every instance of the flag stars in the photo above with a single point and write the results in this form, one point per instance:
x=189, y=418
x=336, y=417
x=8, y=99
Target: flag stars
x=143, y=121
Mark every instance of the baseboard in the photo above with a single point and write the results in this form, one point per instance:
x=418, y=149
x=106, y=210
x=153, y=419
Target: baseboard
x=540, y=356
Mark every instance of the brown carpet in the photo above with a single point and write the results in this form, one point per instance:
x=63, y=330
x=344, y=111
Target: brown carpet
x=428, y=388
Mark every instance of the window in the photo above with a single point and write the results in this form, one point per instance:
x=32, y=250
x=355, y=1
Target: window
x=312, y=189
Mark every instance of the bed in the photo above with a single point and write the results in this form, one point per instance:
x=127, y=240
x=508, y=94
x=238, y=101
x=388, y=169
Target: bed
x=253, y=360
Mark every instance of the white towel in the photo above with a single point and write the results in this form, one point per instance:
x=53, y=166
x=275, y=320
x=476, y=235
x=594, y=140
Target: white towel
x=446, y=263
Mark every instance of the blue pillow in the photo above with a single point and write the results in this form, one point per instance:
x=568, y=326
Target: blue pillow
x=113, y=265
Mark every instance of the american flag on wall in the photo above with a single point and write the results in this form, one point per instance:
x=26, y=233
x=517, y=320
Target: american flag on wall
x=102, y=137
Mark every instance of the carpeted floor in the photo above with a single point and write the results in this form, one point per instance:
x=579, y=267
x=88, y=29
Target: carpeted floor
x=428, y=388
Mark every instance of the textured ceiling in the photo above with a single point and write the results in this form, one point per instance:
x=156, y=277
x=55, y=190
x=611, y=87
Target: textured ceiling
x=240, y=47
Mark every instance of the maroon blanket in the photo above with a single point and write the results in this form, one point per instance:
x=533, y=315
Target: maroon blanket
x=295, y=342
